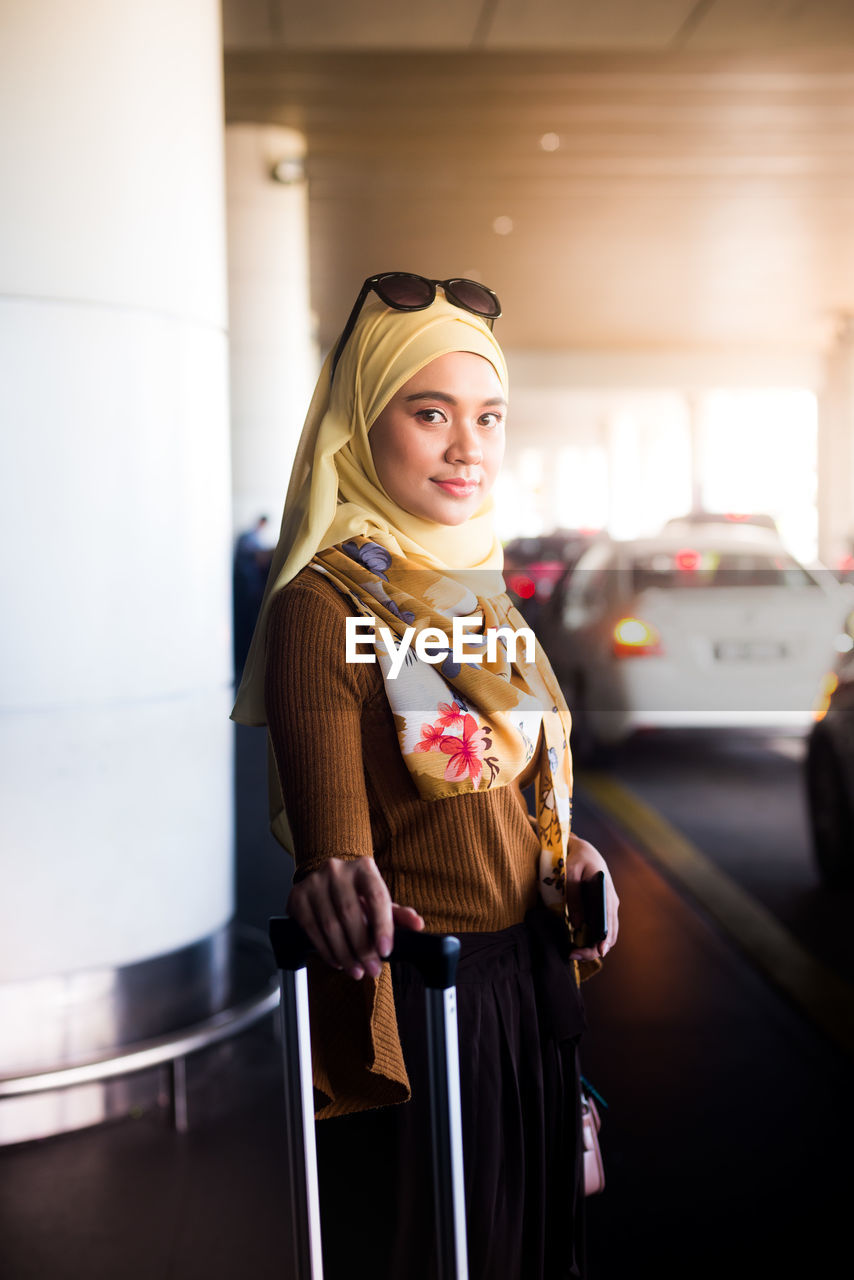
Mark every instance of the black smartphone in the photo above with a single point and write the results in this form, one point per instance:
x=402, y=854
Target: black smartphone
x=594, y=927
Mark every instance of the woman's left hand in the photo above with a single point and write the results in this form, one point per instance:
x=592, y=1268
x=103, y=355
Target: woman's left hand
x=583, y=862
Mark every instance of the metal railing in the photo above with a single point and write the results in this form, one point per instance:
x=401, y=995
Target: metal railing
x=170, y=1049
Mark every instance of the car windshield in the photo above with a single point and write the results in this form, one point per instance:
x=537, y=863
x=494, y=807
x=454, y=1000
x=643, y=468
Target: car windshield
x=687, y=569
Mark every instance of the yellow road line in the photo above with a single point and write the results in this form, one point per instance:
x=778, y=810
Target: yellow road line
x=819, y=992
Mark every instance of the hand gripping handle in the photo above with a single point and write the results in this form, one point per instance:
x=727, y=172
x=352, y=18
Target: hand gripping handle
x=434, y=955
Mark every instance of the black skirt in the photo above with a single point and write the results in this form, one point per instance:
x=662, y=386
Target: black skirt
x=520, y=1017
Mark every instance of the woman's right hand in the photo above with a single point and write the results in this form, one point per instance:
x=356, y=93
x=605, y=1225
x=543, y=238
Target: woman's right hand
x=346, y=910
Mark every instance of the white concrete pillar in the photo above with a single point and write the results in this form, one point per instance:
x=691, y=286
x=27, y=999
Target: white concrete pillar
x=116, y=808
x=694, y=413
x=273, y=354
x=625, y=503
x=836, y=449
x=553, y=496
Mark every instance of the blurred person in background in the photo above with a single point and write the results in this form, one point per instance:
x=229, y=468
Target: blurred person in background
x=251, y=564
x=399, y=794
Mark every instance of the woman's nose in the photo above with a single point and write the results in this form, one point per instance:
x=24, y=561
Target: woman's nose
x=465, y=445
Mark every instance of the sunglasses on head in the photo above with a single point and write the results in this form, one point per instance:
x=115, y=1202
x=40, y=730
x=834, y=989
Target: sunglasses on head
x=407, y=292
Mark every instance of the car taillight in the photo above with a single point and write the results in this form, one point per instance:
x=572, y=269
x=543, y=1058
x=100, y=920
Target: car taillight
x=687, y=561
x=633, y=638
x=521, y=585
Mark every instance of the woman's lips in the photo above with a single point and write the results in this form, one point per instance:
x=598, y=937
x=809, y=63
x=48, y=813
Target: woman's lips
x=458, y=488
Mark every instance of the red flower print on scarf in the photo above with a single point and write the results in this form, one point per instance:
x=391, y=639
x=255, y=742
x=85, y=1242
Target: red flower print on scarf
x=466, y=752
x=431, y=738
x=450, y=715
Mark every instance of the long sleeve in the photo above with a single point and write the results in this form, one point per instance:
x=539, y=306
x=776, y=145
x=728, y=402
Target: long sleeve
x=314, y=701
x=314, y=705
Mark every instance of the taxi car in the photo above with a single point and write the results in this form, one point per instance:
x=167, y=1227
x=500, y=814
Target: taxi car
x=717, y=632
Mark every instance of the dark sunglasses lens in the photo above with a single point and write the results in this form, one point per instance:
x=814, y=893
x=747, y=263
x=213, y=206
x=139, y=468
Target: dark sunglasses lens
x=405, y=291
x=474, y=296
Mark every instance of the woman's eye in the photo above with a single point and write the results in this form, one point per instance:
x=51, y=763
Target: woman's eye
x=490, y=419
x=431, y=416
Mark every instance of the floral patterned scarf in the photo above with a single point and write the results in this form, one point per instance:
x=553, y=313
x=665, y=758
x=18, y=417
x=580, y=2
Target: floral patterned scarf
x=463, y=725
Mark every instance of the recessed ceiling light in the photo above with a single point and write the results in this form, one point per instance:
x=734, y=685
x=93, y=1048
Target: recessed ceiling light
x=502, y=226
x=550, y=142
x=289, y=171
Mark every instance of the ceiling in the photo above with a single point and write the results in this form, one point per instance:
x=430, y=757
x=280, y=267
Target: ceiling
x=670, y=174
x=511, y=26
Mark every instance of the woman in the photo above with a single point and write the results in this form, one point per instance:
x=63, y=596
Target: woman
x=396, y=781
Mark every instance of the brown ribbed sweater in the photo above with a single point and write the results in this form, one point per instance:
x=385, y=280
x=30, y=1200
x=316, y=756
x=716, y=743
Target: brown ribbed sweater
x=468, y=862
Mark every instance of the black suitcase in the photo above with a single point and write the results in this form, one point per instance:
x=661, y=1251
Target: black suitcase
x=435, y=956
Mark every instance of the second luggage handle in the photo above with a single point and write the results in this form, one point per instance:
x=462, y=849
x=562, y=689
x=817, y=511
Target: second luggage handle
x=436, y=957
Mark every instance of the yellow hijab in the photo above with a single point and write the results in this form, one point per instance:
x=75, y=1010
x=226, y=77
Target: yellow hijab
x=334, y=493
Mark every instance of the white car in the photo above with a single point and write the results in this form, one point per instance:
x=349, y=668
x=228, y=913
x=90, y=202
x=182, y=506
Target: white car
x=703, y=631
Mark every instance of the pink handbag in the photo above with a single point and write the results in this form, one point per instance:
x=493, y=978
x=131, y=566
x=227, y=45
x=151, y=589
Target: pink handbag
x=594, y=1169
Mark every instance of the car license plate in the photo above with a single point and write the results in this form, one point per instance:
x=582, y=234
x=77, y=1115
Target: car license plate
x=750, y=650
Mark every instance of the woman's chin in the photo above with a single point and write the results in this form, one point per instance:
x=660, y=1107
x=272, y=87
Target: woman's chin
x=449, y=512
x=455, y=518
x=456, y=511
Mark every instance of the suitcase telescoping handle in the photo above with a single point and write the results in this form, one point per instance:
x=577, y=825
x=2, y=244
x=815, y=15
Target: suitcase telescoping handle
x=435, y=956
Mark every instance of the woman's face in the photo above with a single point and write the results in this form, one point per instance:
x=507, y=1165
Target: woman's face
x=438, y=444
